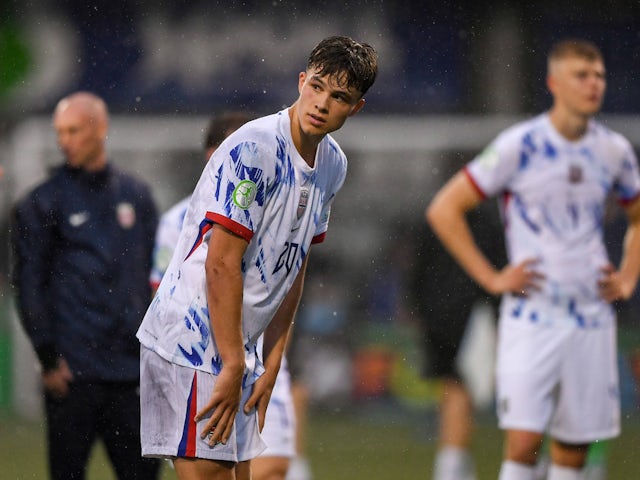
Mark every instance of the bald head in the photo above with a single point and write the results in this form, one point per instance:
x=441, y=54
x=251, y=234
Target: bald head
x=88, y=104
x=81, y=121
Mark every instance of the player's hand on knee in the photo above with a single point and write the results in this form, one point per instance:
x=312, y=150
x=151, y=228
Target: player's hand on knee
x=222, y=407
x=259, y=398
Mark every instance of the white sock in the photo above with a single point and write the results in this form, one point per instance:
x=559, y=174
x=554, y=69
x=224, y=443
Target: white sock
x=299, y=469
x=595, y=472
x=556, y=472
x=542, y=467
x=453, y=463
x=516, y=471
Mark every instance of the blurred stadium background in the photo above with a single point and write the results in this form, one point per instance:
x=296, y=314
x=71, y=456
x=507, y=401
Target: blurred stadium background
x=451, y=77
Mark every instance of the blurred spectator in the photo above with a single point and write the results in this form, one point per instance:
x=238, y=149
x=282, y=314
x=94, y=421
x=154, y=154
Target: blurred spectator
x=83, y=243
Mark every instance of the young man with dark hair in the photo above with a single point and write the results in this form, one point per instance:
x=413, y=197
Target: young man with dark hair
x=238, y=270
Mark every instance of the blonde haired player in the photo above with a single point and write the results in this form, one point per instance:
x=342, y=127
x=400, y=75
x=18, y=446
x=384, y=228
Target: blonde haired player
x=556, y=364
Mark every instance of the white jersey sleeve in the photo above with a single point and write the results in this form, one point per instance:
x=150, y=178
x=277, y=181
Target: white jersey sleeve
x=627, y=182
x=492, y=170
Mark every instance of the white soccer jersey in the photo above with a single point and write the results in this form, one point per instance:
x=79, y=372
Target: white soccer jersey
x=167, y=235
x=553, y=200
x=258, y=186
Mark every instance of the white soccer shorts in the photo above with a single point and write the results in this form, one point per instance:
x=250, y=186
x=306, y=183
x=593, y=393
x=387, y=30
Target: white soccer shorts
x=562, y=380
x=170, y=396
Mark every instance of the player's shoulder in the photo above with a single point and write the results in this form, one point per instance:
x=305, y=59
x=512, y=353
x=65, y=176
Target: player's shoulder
x=255, y=140
x=524, y=128
x=332, y=153
x=602, y=133
x=333, y=146
x=260, y=130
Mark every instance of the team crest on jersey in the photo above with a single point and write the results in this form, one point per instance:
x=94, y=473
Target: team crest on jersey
x=244, y=194
x=126, y=215
x=575, y=174
x=302, y=202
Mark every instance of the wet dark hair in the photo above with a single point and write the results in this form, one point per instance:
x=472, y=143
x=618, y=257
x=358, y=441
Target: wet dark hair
x=221, y=126
x=349, y=63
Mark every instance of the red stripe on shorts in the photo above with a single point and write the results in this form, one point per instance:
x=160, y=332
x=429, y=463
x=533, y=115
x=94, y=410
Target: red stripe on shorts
x=187, y=447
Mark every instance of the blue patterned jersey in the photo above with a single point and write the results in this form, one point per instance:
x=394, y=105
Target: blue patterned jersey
x=258, y=186
x=553, y=195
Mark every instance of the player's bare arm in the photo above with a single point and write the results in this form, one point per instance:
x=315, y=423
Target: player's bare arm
x=620, y=284
x=224, y=297
x=275, y=341
x=447, y=216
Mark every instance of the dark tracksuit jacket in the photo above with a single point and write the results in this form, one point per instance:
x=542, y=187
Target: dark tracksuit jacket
x=82, y=246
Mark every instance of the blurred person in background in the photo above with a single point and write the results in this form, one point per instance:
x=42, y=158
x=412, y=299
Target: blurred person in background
x=280, y=423
x=444, y=297
x=557, y=328
x=83, y=243
x=238, y=270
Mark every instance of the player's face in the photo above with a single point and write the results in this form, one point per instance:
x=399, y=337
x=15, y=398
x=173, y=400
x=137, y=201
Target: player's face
x=80, y=137
x=578, y=85
x=324, y=105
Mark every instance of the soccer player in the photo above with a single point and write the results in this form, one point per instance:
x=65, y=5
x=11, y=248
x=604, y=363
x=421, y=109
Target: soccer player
x=280, y=423
x=556, y=361
x=237, y=273
x=83, y=242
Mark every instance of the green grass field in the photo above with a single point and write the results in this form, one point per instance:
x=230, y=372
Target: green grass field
x=366, y=444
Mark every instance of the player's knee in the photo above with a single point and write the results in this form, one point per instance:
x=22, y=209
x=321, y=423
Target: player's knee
x=569, y=455
x=523, y=447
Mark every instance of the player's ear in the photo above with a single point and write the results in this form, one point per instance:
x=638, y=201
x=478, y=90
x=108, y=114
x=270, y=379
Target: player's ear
x=357, y=107
x=301, y=79
x=550, y=83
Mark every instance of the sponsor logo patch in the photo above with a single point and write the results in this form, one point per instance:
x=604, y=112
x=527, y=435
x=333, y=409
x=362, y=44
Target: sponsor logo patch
x=77, y=219
x=575, y=174
x=244, y=194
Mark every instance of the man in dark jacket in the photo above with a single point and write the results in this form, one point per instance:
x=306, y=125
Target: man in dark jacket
x=83, y=244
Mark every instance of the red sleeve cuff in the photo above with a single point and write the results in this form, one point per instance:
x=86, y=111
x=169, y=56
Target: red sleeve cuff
x=319, y=238
x=474, y=184
x=231, y=225
x=628, y=201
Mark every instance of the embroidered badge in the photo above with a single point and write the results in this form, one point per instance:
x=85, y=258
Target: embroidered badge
x=244, y=194
x=302, y=202
x=126, y=215
x=575, y=174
